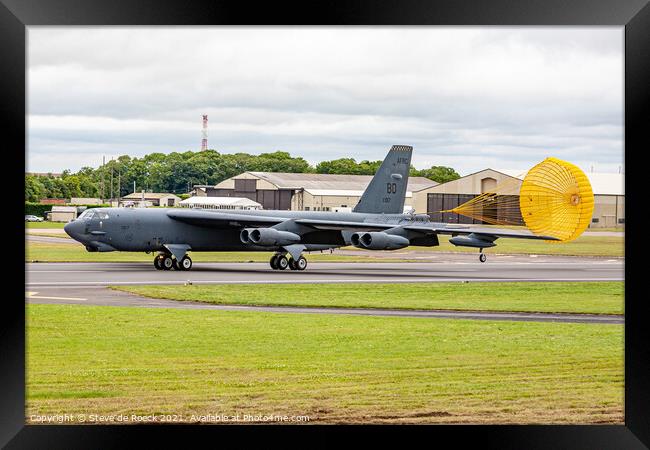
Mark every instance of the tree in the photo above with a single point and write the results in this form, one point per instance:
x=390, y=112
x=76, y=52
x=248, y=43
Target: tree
x=440, y=174
x=34, y=189
x=176, y=171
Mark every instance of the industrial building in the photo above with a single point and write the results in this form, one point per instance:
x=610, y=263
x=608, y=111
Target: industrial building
x=327, y=192
x=145, y=199
x=220, y=203
x=303, y=191
x=61, y=214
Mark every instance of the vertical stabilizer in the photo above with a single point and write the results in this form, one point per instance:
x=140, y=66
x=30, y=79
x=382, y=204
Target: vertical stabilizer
x=387, y=189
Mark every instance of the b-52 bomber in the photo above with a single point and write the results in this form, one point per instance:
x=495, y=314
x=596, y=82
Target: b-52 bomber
x=376, y=223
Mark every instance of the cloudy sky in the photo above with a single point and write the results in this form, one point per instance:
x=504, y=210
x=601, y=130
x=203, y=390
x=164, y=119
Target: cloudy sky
x=464, y=97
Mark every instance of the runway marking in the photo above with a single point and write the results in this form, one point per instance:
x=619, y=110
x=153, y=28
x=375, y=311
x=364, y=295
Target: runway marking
x=68, y=271
x=33, y=295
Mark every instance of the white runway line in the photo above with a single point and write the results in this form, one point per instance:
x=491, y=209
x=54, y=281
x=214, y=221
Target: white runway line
x=33, y=295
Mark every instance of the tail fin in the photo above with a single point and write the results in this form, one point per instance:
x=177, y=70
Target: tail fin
x=387, y=189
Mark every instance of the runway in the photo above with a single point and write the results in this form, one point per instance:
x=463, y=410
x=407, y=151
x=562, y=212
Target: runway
x=85, y=283
x=445, y=268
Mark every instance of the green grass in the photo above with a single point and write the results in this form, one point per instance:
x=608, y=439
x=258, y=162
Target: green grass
x=115, y=360
x=604, y=297
x=54, y=252
x=44, y=224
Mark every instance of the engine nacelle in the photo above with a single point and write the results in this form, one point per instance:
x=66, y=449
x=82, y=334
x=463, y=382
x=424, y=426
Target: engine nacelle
x=268, y=237
x=378, y=240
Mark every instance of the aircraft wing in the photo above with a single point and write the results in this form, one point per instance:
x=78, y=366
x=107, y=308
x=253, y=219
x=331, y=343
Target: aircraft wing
x=424, y=229
x=234, y=220
x=220, y=219
x=455, y=230
x=226, y=220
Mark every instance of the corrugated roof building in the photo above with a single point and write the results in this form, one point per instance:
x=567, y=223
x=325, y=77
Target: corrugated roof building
x=302, y=191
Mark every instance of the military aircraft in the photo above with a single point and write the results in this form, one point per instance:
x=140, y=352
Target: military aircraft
x=378, y=222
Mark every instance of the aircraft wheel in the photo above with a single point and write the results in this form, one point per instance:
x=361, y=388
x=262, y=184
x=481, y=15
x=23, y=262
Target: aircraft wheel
x=157, y=263
x=293, y=265
x=274, y=262
x=301, y=264
x=167, y=262
x=282, y=262
x=184, y=264
x=482, y=257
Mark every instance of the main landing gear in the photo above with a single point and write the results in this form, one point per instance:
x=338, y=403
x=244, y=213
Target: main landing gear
x=280, y=261
x=168, y=262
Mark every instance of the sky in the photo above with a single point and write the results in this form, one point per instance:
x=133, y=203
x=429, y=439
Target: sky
x=464, y=97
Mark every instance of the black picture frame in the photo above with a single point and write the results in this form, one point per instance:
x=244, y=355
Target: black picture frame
x=634, y=15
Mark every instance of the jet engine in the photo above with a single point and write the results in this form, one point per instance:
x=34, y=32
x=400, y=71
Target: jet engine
x=268, y=237
x=378, y=240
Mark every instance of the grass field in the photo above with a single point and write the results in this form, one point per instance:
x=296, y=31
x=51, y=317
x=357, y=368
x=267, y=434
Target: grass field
x=612, y=246
x=333, y=369
x=577, y=297
x=44, y=224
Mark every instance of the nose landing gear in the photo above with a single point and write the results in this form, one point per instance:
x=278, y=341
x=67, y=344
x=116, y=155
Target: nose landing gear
x=482, y=257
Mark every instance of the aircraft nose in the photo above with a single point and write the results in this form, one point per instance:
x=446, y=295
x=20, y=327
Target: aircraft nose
x=73, y=229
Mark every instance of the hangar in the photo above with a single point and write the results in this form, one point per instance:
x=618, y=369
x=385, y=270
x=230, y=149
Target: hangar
x=302, y=191
x=329, y=192
x=609, y=195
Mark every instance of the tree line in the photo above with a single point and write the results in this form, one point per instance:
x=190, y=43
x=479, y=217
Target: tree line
x=178, y=172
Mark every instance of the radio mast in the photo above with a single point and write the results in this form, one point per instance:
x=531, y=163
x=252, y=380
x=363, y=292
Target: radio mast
x=204, y=141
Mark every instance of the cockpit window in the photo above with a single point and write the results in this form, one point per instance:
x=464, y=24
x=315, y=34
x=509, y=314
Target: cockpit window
x=102, y=215
x=87, y=215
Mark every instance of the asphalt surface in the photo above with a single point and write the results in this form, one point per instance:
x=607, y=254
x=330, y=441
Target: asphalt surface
x=446, y=267
x=85, y=283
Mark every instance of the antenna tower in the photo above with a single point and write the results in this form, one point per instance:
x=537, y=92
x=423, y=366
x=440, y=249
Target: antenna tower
x=204, y=141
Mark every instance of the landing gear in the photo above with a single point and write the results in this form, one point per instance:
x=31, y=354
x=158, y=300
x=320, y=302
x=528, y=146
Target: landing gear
x=280, y=261
x=184, y=264
x=166, y=262
x=299, y=264
x=482, y=257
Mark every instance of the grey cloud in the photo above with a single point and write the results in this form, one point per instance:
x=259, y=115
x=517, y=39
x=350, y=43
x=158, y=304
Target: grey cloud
x=465, y=95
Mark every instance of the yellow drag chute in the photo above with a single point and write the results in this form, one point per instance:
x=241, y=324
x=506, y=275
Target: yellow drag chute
x=556, y=199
